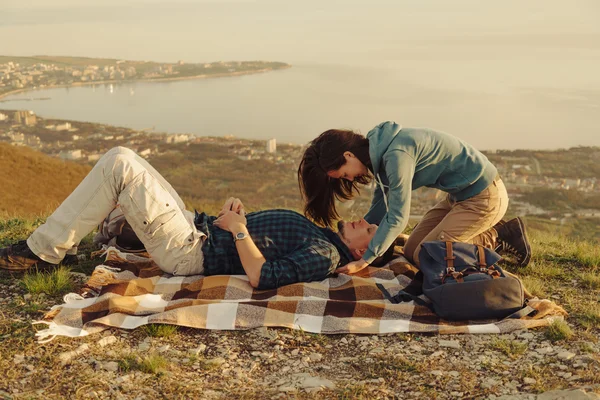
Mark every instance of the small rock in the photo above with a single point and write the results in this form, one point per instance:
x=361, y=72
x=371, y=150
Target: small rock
x=344, y=340
x=565, y=355
x=316, y=382
x=436, y=372
x=437, y=353
x=527, y=335
x=144, y=346
x=217, y=361
x=295, y=352
x=315, y=357
x=529, y=381
x=578, y=394
x=164, y=348
x=545, y=350
x=111, y=366
x=199, y=350
x=105, y=341
x=27, y=297
x=18, y=359
x=287, y=388
x=454, y=344
x=67, y=356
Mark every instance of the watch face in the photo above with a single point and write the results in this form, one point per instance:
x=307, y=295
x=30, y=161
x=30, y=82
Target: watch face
x=240, y=236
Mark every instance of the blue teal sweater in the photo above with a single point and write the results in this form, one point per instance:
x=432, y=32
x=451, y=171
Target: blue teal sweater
x=405, y=159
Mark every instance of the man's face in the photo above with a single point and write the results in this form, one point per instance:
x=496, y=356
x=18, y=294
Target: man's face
x=356, y=235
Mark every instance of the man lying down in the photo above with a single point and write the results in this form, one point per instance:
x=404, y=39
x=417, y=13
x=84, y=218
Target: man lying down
x=272, y=247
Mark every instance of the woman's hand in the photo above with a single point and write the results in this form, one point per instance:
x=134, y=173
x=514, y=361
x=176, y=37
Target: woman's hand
x=233, y=204
x=352, y=267
x=230, y=221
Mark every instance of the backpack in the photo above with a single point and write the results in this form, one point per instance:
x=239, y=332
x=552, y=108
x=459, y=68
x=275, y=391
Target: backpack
x=115, y=231
x=463, y=282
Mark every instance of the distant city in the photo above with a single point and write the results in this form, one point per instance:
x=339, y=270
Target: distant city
x=42, y=72
x=86, y=142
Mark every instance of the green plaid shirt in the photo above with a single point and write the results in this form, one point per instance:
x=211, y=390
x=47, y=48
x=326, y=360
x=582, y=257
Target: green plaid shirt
x=296, y=250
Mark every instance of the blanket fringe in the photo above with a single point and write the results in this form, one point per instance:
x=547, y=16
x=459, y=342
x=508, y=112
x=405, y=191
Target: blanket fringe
x=54, y=330
x=72, y=298
x=45, y=335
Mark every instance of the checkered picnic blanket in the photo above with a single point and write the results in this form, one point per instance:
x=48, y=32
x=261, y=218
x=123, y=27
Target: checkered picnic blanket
x=129, y=291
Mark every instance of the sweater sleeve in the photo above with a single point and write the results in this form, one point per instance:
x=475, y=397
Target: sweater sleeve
x=400, y=169
x=377, y=210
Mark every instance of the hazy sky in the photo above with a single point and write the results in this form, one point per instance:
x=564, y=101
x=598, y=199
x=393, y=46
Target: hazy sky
x=501, y=74
x=348, y=31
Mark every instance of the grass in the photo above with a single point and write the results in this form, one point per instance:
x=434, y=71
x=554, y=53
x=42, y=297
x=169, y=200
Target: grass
x=536, y=286
x=590, y=279
x=589, y=317
x=150, y=364
x=160, y=330
x=510, y=348
x=387, y=367
x=55, y=282
x=558, y=330
x=351, y=392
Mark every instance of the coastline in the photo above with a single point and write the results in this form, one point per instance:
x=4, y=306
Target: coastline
x=114, y=81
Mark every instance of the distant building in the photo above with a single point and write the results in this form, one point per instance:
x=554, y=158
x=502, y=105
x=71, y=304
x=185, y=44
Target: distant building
x=63, y=127
x=70, y=154
x=16, y=137
x=177, y=139
x=271, y=145
x=145, y=153
x=25, y=118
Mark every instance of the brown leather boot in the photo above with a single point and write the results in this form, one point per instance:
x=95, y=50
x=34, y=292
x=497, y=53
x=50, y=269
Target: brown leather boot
x=512, y=239
x=19, y=257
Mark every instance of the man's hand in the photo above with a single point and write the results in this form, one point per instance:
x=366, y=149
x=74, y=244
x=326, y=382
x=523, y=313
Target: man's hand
x=230, y=221
x=353, y=267
x=233, y=204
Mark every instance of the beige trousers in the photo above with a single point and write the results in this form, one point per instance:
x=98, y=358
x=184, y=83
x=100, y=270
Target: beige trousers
x=151, y=206
x=468, y=221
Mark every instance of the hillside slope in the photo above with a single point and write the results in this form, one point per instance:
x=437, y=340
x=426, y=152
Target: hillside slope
x=34, y=183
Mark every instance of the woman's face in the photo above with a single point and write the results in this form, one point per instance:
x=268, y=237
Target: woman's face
x=351, y=170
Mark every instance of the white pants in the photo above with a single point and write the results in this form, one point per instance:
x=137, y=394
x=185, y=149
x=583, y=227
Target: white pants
x=151, y=206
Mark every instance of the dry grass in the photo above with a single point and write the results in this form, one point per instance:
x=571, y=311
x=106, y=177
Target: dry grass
x=55, y=282
x=559, y=330
x=37, y=183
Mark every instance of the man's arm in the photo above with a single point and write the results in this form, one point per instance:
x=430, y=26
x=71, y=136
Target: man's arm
x=250, y=256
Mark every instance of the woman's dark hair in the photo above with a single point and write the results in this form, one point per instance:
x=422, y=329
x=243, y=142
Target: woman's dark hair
x=324, y=154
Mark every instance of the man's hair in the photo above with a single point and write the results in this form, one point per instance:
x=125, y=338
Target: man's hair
x=324, y=154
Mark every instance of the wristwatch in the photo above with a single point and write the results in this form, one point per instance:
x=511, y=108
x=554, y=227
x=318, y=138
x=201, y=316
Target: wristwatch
x=240, y=236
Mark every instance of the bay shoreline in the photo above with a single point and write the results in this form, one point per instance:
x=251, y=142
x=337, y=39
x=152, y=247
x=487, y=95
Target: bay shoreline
x=115, y=81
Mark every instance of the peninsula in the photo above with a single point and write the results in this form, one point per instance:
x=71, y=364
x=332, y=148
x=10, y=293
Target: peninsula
x=18, y=74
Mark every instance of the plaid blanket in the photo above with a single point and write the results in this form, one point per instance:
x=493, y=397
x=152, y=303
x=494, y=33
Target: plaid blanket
x=129, y=291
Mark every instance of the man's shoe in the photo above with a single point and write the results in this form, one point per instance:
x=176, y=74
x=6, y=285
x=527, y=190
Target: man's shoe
x=70, y=259
x=19, y=257
x=512, y=239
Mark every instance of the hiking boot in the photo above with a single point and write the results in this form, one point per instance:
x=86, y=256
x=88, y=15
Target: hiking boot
x=19, y=257
x=70, y=259
x=512, y=239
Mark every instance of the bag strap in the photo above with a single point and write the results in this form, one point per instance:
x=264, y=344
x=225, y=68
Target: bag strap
x=402, y=297
x=449, y=256
x=491, y=270
x=481, y=252
x=450, y=271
